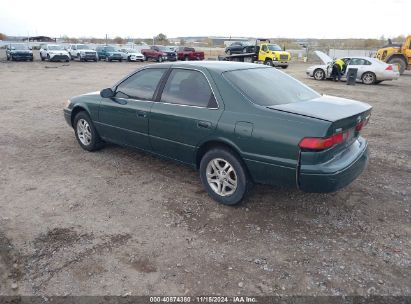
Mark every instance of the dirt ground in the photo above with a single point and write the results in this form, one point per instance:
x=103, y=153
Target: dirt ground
x=119, y=222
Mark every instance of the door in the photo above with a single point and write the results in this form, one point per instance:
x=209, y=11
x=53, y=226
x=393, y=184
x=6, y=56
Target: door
x=358, y=63
x=186, y=113
x=124, y=118
x=262, y=53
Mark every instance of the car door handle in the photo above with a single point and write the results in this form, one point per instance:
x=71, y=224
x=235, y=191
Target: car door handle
x=141, y=114
x=204, y=124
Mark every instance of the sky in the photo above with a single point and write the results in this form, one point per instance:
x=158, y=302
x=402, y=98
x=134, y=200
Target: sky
x=176, y=18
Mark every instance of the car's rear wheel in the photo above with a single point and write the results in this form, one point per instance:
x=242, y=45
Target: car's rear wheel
x=319, y=74
x=368, y=78
x=268, y=62
x=223, y=176
x=229, y=52
x=86, y=133
x=186, y=58
x=160, y=59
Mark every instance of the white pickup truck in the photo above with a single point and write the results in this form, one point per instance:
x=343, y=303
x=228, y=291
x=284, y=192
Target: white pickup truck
x=82, y=51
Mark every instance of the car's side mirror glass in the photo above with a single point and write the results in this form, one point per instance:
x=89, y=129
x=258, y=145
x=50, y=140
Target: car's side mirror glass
x=107, y=93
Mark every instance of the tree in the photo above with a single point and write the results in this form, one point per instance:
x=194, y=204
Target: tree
x=182, y=41
x=3, y=36
x=161, y=39
x=118, y=40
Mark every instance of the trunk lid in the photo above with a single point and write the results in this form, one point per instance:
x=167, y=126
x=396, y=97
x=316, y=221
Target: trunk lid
x=344, y=114
x=325, y=107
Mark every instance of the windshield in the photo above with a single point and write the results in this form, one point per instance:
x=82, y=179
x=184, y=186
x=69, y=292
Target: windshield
x=269, y=87
x=20, y=47
x=55, y=48
x=82, y=47
x=111, y=49
x=164, y=49
x=274, y=47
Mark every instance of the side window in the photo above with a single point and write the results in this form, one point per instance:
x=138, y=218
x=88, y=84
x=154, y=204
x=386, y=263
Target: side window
x=188, y=87
x=264, y=48
x=141, y=85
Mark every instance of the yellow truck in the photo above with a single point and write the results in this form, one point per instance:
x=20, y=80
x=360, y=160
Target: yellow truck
x=263, y=52
x=399, y=54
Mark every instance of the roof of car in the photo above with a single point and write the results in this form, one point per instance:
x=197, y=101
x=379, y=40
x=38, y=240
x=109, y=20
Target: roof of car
x=217, y=66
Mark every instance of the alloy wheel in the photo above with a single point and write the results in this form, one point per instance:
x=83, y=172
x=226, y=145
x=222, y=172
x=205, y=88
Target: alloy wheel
x=221, y=177
x=84, y=132
x=368, y=78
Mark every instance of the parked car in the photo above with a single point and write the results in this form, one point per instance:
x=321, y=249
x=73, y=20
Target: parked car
x=109, y=53
x=237, y=123
x=54, y=52
x=370, y=70
x=132, y=55
x=19, y=51
x=189, y=53
x=159, y=53
x=82, y=52
x=240, y=47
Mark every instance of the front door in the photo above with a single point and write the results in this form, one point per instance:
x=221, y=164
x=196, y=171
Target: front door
x=124, y=118
x=186, y=114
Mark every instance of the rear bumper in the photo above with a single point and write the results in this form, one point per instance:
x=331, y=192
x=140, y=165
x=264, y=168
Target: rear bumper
x=337, y=173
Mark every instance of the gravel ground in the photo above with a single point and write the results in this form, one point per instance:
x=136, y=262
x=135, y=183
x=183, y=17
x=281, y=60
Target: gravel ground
x=119, y=221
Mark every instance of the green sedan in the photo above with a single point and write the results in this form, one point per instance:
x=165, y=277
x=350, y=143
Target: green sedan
x=236, y=123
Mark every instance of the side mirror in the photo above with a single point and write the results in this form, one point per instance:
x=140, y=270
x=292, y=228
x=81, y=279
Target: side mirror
x=107, y=93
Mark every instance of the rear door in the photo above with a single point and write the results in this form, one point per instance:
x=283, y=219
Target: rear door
x=124, y=118
x=186, y=113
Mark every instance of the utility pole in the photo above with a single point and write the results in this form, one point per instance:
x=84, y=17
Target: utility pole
x=106, y=39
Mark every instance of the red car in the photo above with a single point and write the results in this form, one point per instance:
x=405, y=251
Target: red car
x=188, y=53
x=159, y=53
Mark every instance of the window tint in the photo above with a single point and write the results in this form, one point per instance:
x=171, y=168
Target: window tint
x=268, y=86
x=359, y=61
x=141, y=85
x=264, y=48
x=188, y=87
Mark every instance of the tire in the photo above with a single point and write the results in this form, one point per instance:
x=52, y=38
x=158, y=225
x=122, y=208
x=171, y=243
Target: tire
x=160, y=59
x=41, y=57
x=319, y=74
x=31, y=59
x=8, y=58
x=402, y=65
x=186, y=58
x=121, y=60
x=229, y=52
x=211, y=169
x=86, y=133
x=284, y=67
x=268, y=62
x=368, y=78
x=128, y=58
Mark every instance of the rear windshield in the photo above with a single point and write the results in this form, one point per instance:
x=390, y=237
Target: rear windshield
x=269, y=87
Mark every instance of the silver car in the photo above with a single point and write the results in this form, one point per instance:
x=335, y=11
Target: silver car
x=369, y=70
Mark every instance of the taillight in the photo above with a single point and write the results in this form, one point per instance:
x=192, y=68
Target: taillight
x=389, y=68
x=362, y=124
x=322, y=143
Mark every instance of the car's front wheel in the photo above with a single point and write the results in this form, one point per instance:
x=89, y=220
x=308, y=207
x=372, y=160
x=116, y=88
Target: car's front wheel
x=223, y=176
x=319, y=74
x=268, y=62
x=86, y=133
